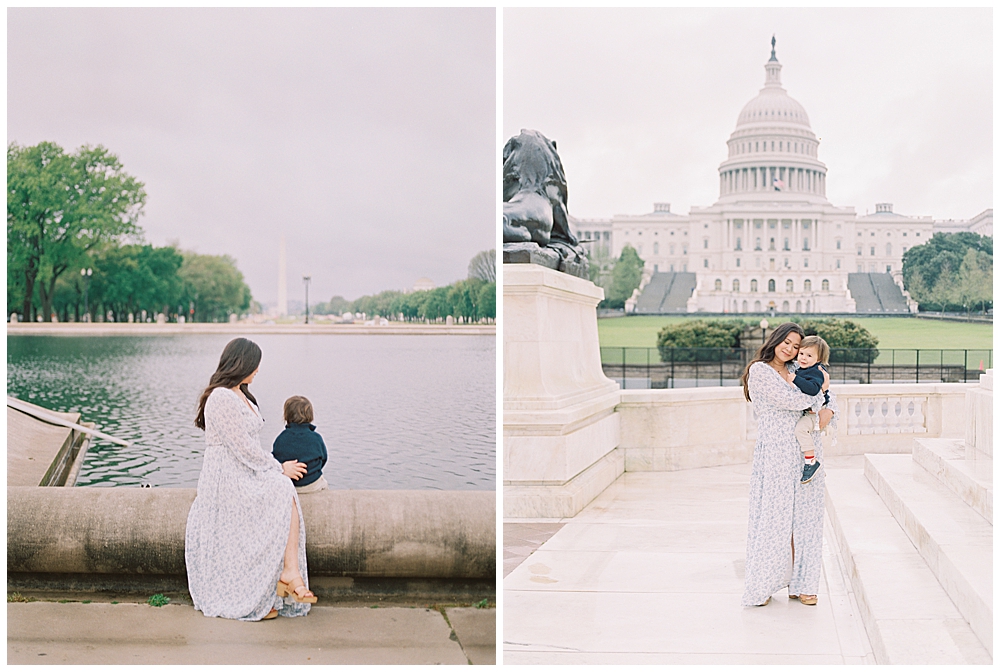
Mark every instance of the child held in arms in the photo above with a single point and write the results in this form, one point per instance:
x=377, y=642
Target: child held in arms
x=812, y=374
x=300, y=441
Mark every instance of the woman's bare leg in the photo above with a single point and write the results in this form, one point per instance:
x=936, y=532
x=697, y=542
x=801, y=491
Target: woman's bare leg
x=290, y=571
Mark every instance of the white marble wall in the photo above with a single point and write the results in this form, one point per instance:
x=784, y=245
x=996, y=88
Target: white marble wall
x=979, y=415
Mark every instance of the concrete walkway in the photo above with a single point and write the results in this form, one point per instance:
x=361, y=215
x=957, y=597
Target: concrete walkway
x=102, y=633
x=652, y=572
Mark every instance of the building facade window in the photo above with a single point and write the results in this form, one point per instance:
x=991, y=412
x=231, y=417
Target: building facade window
x=807, y=286
x=770, y=245
x=789, y=286
x=784, y=306
x=859, y=249
x=736, y=285
x=825, y=285
x=805, y=243
x=718, y=285
x=838, y=243
x=656, y=248
x=739, y=243
x=786, y=247
x=705, y=243
x=706, y=263
x=873, y=251
x=753, y=285
x=770, y=285
x=888, y=249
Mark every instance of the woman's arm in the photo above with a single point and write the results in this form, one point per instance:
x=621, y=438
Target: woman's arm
x=772, y=390
x=829, y=411
x=222, y=411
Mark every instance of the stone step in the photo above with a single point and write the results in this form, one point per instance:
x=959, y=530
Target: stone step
x=954, y=541
x=967, y=472
x=908, y=616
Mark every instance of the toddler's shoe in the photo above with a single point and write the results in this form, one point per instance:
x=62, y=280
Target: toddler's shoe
x=809, y=471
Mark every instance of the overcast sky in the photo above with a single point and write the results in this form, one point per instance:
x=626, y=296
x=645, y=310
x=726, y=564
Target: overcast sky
x=642, y=102
x=366, y=137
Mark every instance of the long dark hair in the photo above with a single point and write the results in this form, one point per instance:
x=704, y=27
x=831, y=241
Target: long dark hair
x=765, y=353
x=240, y=358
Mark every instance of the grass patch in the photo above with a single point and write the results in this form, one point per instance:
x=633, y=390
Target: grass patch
x=158, y=600
x=18, y=597
x=640, y=331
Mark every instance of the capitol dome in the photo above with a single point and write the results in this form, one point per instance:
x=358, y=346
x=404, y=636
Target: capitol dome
x=773, y=105
x=773, y=148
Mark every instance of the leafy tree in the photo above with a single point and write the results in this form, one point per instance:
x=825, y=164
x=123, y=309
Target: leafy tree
x=133, y=278
x=974, y=284
x=488, y=300
x=484, y=266
x=931, y=271
x=60, y=207
x=213, y=286
x=625, y=277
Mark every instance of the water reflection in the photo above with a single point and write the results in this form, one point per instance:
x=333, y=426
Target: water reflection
x=415, y=412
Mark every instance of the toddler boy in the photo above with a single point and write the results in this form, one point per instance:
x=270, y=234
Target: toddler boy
x=814, y=358
x=300, y=441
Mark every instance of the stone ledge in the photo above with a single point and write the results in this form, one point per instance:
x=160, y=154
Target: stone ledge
x=410, y=534
x=970, y=479
x=563, y=501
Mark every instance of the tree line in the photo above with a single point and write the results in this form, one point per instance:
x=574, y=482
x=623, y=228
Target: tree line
x=473, y=299
x=75, y=249
x=951, y=272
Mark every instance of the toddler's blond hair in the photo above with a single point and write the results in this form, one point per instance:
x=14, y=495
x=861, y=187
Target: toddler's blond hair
x=822, y=349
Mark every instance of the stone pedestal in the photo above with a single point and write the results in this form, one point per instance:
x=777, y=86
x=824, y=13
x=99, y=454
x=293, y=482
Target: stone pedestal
x=560, y=430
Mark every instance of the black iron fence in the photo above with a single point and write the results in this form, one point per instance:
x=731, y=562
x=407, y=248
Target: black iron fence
x=713, y=367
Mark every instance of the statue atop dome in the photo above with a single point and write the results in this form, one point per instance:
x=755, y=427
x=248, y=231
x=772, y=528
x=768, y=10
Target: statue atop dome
x=774, y=57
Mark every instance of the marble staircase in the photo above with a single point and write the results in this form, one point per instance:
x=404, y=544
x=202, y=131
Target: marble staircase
x=916, y=534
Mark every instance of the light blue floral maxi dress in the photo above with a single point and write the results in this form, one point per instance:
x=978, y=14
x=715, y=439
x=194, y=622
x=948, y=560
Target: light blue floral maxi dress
x=781, y=507
x=237, y=528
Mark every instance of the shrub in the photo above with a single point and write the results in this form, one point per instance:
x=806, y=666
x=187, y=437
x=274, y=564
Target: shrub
x=698, y=340
x=848, y=341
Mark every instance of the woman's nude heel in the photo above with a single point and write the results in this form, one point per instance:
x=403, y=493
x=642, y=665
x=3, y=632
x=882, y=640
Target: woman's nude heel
x=288, y=590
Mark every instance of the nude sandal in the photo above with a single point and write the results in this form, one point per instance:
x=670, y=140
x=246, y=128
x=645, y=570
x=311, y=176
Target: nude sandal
x=271, y=614
x=804, y=599
x=288, y=590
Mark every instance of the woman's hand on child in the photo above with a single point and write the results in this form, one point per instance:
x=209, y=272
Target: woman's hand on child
x=826, y=380
x=825, y=415
x=293, y=469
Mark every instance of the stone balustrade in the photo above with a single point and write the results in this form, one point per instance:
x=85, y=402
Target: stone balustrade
x=667, y=430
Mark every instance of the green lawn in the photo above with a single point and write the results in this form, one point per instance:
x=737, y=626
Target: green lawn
x=892, y=332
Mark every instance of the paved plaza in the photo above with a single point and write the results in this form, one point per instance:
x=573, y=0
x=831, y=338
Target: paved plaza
x=51, y=633
x=652, y=572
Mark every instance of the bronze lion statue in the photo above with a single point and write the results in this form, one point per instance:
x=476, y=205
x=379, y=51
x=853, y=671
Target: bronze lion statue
x=535, y=222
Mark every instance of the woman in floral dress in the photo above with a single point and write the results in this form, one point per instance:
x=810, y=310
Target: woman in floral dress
x=244, y=546
x=786, y=516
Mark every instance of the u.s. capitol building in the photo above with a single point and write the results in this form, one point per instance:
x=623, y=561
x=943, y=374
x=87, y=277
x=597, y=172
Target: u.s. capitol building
x=772, y=242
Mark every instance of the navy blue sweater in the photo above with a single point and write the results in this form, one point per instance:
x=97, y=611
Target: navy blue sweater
x=810, y=381
x=301, y=442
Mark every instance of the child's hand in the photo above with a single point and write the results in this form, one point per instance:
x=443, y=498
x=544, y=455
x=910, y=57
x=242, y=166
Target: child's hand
x=293, y=469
